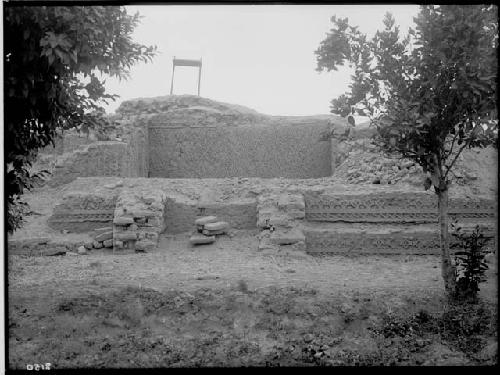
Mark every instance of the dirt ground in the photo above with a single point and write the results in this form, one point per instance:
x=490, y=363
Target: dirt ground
x=227, y=304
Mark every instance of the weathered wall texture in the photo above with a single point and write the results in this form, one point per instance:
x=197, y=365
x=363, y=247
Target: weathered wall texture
x=181, y=213
x=274, y=149
x=81, y=211
x=67, y=142
x=72, y=141
x=194, y=137
x=137, y=152
x=109, y=158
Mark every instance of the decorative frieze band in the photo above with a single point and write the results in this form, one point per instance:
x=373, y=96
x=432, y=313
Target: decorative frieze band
x=427, y=243
x=78, y=216
x=392, y=208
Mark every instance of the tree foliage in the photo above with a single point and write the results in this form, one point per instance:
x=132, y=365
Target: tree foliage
x=470, y=260
x=54, y=57
x=430, y=94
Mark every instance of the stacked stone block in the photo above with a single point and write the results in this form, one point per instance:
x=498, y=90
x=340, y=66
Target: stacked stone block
x=278, y=216
x=208, y=227
x=103, y=238
x=139, y=220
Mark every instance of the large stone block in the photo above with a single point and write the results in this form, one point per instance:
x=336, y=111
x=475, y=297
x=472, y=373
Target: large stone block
x=205, y=220
x=104, y=236
x=107, y=243
x=213, y=232
x=126, y=236
x=201, y=240
x=97, y=245
x=217, y=226
x=123, y=220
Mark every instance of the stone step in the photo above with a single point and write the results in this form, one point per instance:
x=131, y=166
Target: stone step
x=344, y=238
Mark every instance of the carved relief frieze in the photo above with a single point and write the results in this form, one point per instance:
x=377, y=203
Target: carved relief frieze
x=392, y=208
x=77, y=216
x=350, y=242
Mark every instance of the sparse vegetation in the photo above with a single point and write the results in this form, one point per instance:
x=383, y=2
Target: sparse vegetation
x=135, y=327
x=470, y=261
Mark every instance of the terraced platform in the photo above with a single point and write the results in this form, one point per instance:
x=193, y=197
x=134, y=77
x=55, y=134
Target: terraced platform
x=333, y=219
x=387, y=223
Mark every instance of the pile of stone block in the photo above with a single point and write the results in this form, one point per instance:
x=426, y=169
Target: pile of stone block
x=128, y=235
x=103, y=238
x=139, y=219
x=125, y=233
x=207, y=228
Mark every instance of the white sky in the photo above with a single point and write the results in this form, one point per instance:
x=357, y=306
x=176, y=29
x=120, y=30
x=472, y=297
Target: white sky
x=259, y=56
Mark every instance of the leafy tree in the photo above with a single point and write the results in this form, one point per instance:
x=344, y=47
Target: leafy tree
x=430, y=94
x=54, y=57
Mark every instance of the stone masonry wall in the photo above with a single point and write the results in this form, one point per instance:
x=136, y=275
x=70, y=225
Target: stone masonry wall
x=138, y=219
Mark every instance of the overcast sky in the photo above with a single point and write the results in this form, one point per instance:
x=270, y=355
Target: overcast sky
x=260, y=56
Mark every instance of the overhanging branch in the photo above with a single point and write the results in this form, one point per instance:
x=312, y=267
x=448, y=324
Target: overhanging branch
x=448, y=168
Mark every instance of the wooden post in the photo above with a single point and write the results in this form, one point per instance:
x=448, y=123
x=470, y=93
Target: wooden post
x=173, y=71
x=199, y=78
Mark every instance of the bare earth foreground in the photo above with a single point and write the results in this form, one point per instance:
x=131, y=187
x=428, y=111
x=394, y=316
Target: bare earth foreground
x=227, y=304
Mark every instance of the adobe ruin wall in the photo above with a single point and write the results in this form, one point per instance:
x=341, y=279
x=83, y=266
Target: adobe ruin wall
x=192, y=137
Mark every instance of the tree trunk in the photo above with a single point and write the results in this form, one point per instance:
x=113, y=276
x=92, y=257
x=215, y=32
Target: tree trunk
x=447, y=268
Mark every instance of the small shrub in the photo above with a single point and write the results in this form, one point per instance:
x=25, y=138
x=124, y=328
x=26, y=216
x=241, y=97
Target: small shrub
x=469, y=260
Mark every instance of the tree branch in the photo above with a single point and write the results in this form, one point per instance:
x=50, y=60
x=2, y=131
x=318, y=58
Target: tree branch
x=452, y=144
x=448, y=168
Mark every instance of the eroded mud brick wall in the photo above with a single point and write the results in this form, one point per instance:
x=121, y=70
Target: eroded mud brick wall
x=97, y=159
x=137, y=152
x=272, y=149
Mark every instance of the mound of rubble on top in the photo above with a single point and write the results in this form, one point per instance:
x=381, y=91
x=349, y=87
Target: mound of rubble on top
x=185, y=105
x=360, y=162
x=179, y=108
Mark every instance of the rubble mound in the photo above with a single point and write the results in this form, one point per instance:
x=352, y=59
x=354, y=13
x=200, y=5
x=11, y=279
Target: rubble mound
x=170, y=103
x=361, y=162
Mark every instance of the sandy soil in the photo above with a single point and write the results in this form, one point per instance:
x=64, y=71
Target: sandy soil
x=225, y=304
x=175, y=264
